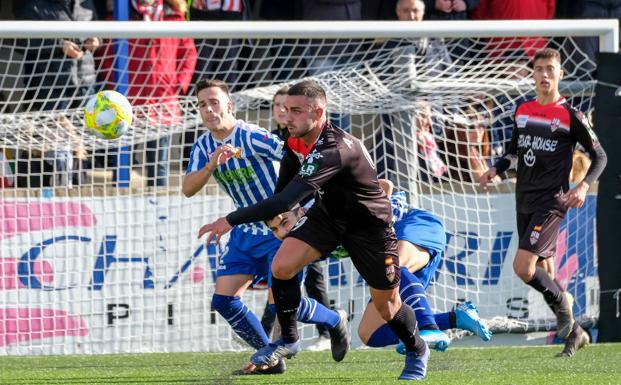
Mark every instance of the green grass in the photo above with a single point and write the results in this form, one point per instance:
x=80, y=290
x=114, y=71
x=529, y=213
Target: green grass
x=597, y=364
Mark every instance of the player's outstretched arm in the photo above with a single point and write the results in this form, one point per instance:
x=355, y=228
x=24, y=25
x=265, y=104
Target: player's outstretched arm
x=285, y=200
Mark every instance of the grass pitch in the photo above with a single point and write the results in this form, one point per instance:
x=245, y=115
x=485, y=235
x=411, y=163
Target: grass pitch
x=597, y=364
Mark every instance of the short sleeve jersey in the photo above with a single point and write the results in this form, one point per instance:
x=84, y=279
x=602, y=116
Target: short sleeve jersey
x=343, y=175
x=543, y=139
x=250, y=178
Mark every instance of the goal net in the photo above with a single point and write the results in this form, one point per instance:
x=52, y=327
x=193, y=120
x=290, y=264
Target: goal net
x=98, y=245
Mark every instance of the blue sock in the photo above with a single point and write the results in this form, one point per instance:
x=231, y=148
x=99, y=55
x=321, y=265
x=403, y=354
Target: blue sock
x=412, y=293
x=241, y=319
x=312, y=312
x=443, y=321
x=383, y=336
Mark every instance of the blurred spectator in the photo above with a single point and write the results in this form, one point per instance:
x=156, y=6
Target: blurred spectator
x=411, y=61
x=158, y=71
x=279, y=113
x=329, y=54
x=378, y=9
x=468, y=147
x=426, y=143
x=287, y=55
x=59, y=74
x=575, y=65
x=7, y=176
x=450, y=9
x=219, y=58
x=514, y=10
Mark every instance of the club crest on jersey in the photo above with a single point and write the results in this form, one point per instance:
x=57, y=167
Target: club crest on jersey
x=521, y=121
x=555, y=124
x=308, y=169
x=390, y=273
x=529, y=158
x=534, y=236
x=313, y=155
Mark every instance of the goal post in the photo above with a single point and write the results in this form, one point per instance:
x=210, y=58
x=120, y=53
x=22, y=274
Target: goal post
x=89, y=267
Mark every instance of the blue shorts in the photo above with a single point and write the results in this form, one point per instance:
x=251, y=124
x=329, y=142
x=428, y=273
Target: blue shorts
x=246, y=253
x=425, y=230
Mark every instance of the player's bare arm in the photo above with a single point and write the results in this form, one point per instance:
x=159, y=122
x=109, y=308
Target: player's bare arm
x=194, y=181
x=487, y=177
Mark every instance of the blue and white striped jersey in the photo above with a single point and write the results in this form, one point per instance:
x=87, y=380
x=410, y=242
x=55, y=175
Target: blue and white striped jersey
x=250, y=178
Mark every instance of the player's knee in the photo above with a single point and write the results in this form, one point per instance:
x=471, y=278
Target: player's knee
x=524, y=272
x=385, y=310
x=282, y=270
x=364, y=334
x=224, y=304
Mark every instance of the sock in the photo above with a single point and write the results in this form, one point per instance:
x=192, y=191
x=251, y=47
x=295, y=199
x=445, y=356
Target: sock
x=446, y=321
x=268, y=318
x=404, y=326
x=241, y=319
x=312, y=312
x=542, y=282
x=287, y=296
x=383, y=336
x=412, y=293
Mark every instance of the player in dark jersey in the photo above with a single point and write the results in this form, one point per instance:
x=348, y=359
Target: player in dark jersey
x=545, y=134
x=350, y=210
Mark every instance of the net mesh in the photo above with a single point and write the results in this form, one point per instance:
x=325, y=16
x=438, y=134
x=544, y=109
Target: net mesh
x=87, y=267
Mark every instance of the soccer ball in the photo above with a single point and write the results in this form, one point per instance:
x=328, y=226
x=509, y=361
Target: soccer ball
x=108, y=115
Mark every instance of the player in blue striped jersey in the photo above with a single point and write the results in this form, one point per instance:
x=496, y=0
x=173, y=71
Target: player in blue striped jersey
x=240, y=156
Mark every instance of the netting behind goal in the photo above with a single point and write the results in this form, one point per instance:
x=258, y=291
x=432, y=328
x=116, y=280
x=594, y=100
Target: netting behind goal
x=89, y=267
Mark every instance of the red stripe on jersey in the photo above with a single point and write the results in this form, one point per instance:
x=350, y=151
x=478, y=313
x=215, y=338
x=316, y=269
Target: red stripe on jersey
x=547, y=114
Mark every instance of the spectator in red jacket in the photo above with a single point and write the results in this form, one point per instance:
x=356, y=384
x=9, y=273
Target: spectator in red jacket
x=515, y=10
x=159, y=70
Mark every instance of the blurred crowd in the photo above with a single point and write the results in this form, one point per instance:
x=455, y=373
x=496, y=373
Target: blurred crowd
x=61, y=74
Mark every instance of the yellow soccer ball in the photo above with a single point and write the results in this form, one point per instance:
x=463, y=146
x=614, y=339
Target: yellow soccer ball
x=108, y=115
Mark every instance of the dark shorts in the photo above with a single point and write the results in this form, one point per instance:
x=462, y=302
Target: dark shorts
x=373, y=250
x=538, y=232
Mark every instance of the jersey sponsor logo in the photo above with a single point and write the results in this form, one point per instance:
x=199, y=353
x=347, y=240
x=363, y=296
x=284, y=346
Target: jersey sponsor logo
x=308, y=169
x=240, y=175
x=529, y=158
x=537, y=143
x=555, y=124
x=299, y=223
x=521, y=121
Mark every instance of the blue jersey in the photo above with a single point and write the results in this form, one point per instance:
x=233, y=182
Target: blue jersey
x=248, y=179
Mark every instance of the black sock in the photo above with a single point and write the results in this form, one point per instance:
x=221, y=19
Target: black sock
x=287, y=297
x=404, y=326
x=542, y=282
x=452, y=319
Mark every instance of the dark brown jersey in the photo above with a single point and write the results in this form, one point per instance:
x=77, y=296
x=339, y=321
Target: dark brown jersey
x=542, y=143
x=343, y=175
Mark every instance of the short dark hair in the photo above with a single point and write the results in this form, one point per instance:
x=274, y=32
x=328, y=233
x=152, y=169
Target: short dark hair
x=282, y=91
x=208, y=83
x=308, y=88
x=547, y=53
